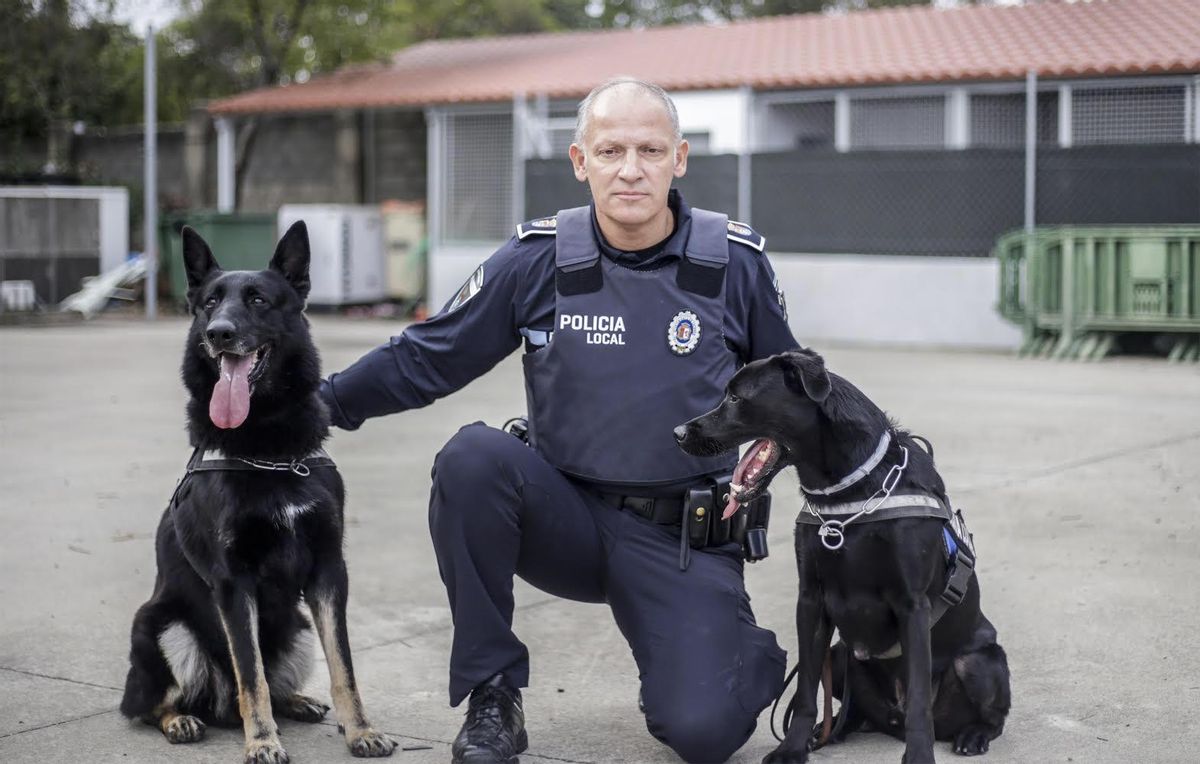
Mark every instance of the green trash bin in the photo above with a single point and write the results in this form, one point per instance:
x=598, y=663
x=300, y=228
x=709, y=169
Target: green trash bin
x=241, y=241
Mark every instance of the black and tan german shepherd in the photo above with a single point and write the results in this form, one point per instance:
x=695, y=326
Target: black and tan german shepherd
x=255, y=526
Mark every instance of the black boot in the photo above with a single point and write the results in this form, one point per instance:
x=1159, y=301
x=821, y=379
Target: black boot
x=494, y=732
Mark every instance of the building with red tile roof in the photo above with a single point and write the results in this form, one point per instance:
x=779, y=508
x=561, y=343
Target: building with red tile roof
x=1096, y=38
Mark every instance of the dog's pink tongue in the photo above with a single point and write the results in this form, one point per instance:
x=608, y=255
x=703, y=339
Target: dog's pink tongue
x=739, y=475
x=230, y=403
x=731, y=508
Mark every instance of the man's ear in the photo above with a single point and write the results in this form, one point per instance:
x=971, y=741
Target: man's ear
x=578, y=162
x=681, y=155
x=805, y=370
x=198, y=262
x=291, y=258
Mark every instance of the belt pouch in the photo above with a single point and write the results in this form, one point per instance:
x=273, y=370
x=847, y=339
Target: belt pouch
x=758, y=517
x=698, y=516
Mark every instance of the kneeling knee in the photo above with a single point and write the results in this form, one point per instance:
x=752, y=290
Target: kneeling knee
x=472, y=455
x=702, y=734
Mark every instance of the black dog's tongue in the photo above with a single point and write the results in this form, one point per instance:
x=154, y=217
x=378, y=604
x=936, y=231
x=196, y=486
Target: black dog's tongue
x=230, y=403
x=746, y=471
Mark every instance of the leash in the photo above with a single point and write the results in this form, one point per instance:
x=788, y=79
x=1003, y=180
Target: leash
x=831, y=726
x=832, y=532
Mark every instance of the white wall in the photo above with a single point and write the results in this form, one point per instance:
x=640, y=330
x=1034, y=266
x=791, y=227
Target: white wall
x=894, y=300
x=720, y=113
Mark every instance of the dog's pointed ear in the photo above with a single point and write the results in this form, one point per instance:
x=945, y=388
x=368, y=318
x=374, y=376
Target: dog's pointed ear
x=198, y=261
x=806, y=370
x=291, y=258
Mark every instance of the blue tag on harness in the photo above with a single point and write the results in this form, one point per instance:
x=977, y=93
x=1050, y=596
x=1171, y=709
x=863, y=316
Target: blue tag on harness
x=951, y=544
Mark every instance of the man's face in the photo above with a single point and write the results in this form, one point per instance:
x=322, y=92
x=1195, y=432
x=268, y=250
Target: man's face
x=629, y=156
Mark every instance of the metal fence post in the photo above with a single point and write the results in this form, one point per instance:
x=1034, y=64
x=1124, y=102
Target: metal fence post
x=150, y=184
x=1030, y=191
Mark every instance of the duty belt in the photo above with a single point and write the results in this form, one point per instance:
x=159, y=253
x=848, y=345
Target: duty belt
x=661, y=510
x=698, y=515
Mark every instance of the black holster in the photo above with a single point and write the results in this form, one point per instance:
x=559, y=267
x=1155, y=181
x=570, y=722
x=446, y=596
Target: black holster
x=702, y=509
x=752, y=528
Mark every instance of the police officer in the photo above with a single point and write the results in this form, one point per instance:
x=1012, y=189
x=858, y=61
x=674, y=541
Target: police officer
x=633, y=313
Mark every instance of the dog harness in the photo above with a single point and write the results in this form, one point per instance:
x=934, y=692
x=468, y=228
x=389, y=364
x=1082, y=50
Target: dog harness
x=958, y=543
x=215, y=460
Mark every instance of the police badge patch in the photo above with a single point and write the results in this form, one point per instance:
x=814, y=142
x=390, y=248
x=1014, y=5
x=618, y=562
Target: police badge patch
x=683, y=335
x=472, y=287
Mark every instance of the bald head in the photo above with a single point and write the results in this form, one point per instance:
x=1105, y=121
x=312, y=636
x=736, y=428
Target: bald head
x=621, y=90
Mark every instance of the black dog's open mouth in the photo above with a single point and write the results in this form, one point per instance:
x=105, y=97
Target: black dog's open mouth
x=762, y=461
x=261, y=356
x=236, y=375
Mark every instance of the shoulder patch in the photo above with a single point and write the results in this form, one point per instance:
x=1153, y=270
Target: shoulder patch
x=472, y=287
x=538, y=227
x=744, y=234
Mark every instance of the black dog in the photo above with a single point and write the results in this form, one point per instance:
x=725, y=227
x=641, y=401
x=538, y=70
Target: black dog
x=882, y=580
x=255, y=525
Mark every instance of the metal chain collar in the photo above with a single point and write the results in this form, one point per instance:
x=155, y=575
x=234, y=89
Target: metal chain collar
x=831, y=532
x=295, y=466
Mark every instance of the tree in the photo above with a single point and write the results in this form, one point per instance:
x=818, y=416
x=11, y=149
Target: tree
x=221, y=47
x=224, y=46
x=58, y=64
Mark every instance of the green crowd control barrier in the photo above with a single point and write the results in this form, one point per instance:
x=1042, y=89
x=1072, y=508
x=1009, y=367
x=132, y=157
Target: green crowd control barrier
x=1075, y=289
x=241, y=241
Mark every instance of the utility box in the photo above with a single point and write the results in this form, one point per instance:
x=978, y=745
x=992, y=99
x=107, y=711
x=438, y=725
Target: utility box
x=55, y=237
x=346, y=240
x=404, y=250
x=240, y=241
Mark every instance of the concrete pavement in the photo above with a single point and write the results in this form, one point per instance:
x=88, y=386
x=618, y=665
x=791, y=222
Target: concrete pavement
x=1080, y=482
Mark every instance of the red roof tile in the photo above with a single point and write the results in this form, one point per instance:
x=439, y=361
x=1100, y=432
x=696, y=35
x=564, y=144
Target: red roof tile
x=922, y=44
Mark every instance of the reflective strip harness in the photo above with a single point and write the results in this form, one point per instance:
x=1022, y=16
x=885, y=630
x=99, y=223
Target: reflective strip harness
x=882, y=505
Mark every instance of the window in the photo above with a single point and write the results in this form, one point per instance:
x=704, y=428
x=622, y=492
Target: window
x=477, y=173
x=802, y=125
x=894, y=123
x=1107, y=115
x=999, y=120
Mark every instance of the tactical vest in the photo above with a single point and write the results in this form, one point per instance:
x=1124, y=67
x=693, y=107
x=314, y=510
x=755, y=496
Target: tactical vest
x=633, y=354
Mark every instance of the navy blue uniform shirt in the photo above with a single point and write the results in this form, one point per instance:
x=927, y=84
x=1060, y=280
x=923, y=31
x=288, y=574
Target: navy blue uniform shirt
x=441, y=355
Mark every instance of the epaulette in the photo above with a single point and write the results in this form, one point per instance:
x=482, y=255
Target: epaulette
x=538, y=227
x=744, y=234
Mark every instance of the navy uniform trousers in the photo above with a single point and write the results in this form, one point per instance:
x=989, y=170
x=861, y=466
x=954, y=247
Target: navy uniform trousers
x=498, y=508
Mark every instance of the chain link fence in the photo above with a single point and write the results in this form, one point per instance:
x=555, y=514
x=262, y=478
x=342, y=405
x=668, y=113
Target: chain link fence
x=477, y=177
